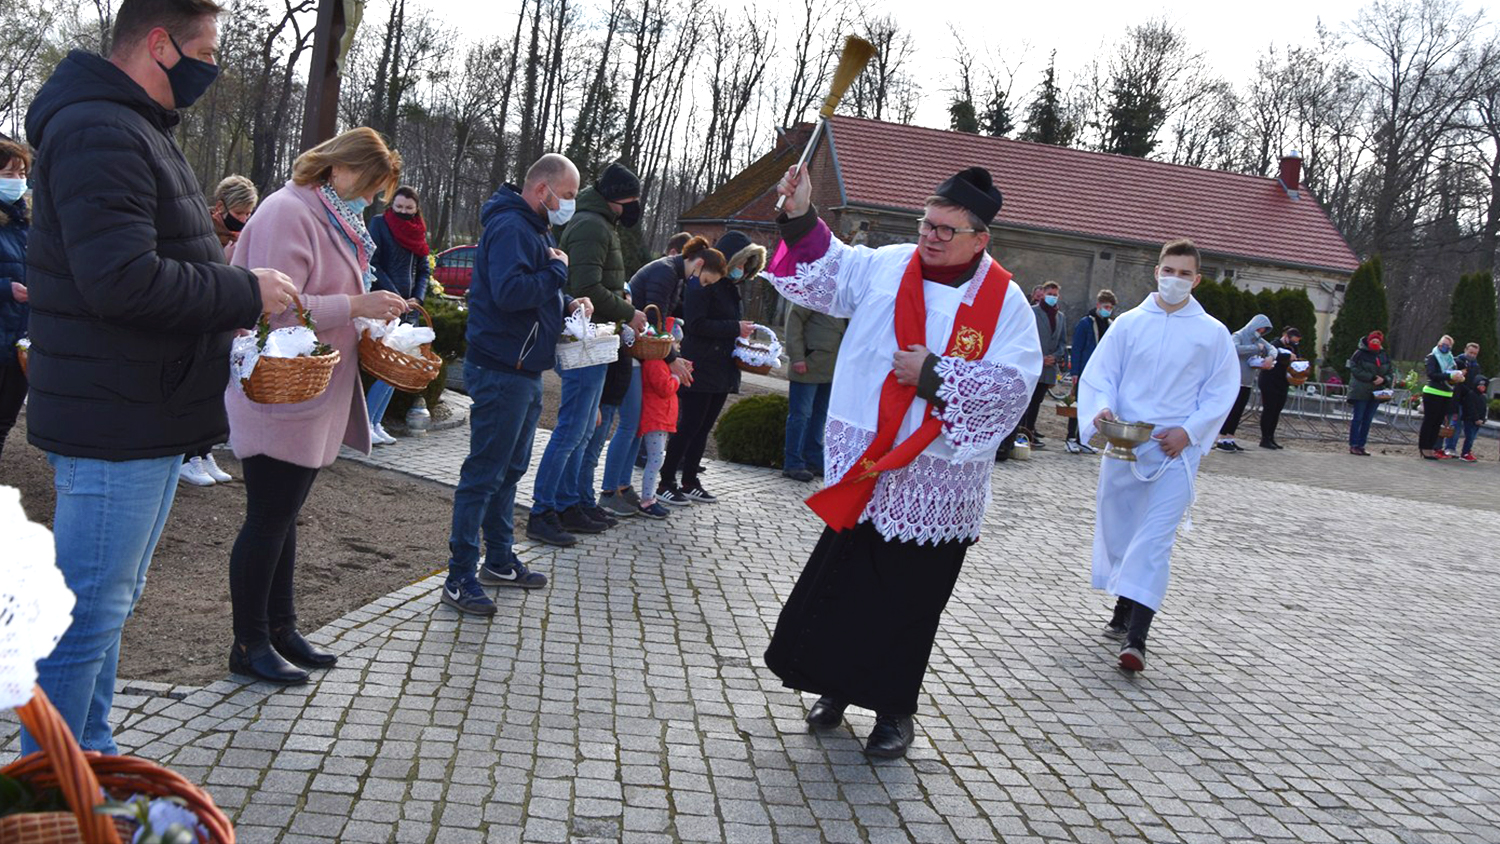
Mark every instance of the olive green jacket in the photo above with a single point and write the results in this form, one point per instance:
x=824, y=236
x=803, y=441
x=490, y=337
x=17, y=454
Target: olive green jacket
x=596, y=267
x=813, y=338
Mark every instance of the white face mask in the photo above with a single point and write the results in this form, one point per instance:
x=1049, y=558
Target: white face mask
x=1174, y=289
x=564, y=211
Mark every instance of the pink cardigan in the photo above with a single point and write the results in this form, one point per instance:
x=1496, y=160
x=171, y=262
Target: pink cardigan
x=291, y=232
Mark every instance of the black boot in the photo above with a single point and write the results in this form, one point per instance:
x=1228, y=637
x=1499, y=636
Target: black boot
x=264, y=663
x=826, y=713
x=298, y=651
x=891, y=737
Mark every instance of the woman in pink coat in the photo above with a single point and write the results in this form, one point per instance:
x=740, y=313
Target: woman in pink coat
x=310, y=229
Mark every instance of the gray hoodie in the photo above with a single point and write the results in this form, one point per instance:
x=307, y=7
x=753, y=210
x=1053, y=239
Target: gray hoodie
x=1248, y=344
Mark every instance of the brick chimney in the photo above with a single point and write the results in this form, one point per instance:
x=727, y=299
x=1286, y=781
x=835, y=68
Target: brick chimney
x=1291, y=173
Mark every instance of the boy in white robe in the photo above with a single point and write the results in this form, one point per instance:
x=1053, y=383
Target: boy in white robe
x=1169, y=363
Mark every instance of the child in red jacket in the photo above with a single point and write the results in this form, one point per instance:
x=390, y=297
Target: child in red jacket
x=658, y=422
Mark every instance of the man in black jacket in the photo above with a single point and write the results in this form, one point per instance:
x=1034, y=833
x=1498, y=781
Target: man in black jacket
x=1274, y=385
x=133, y=310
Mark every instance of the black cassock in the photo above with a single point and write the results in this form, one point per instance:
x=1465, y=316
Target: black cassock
x=859, y=625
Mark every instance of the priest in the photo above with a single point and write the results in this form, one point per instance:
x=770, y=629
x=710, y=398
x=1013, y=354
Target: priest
x=1169, y=363
x=937, y=365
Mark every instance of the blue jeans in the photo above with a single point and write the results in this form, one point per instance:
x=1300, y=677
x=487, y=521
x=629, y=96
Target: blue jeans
x=591, y=452
x=556, y=486
x=807, y=415
x=1359, y=425
x=502, y=425
x=1471, y=430
x=377, y=400
x=1450, y=445
x=619, y=464
x=108, y=520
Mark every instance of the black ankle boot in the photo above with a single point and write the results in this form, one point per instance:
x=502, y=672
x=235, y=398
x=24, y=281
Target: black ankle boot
x=826, y=713
x=297, y=650
x=264, y=663
x=891, y=737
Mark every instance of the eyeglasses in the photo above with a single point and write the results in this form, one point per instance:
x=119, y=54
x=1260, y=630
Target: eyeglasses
x=940, y=233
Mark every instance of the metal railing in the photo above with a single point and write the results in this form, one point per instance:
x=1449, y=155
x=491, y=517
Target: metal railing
x=1319, y=411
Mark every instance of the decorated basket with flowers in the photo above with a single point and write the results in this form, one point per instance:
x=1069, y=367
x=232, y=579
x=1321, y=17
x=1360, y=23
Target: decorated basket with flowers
x=652, y=343
x=61, y=794
x=284, y=366
x=756, y=356
x=584, y=343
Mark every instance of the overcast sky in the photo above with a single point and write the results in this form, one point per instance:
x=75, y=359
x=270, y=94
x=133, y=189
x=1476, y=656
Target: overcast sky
x=1232, y=34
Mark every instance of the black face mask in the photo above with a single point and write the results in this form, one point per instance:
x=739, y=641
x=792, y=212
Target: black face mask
x=401, y=216
x=232, y=222
x=630, y=214
x=189, y=77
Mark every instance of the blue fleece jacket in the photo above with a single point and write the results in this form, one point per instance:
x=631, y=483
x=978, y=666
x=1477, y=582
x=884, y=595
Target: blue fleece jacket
x=516, y=299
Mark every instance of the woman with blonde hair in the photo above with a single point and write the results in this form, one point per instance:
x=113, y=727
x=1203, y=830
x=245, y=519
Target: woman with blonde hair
x=1443, y=373
x=312, y=230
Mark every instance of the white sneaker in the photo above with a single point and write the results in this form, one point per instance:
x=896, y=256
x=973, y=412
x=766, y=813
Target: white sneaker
x=385, y=439
x=1072, y=446
x=213, y=470
x=1085, y=448
x=377, y=439
x=194, y=473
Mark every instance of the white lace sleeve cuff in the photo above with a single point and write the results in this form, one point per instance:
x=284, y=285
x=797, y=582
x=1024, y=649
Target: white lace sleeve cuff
x=807, y=272
x=983, y=401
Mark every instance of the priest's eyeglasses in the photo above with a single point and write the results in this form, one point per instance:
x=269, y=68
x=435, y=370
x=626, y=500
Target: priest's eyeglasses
x=939, y=232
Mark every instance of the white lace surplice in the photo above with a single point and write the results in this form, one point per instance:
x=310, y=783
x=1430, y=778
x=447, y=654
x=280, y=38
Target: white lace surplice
x=940, y=496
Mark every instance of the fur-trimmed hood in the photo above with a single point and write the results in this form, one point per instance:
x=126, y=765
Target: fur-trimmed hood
x=740, y=251
x=12, y=212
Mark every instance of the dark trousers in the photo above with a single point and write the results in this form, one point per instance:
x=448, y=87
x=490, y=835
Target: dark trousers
x=1272, y=400
x=265, y=553
x=1232, y=421
x=1029, y=420
x=696, y=414
x=12, y=396
x=1361, y=417
x=1434, y=408
x=1136, y=619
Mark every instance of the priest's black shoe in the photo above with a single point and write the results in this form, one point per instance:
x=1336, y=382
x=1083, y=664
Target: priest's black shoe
x=298, y=651
x=264, y=663
x=891, y=737
x=826, y=713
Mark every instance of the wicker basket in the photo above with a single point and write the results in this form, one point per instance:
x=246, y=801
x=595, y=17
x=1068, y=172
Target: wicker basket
x=652, y=348
x=594, y=351
x=1295, y=378
x=290, y=380
x=1067, y=411
x=745, y=343
x=408, y=373
x=23, y=355
x=79, y=775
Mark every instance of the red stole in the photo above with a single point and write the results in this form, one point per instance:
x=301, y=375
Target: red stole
x=841, y=505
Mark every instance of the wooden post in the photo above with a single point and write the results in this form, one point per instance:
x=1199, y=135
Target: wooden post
x=320, y=117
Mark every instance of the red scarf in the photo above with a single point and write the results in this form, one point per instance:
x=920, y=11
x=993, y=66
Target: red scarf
x=841, y=505
x=411, y=234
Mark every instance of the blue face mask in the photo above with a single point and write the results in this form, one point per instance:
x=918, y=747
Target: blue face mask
x=1051, y=300
x=189, y=78
x=737, y=273
x=1104, y=313
x=358, y=204
x=1445, y=348
x=12, y=189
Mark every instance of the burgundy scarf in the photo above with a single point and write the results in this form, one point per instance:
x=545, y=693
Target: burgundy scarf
x=410, y=234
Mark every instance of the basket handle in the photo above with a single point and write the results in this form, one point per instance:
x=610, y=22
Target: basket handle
x=74, y=775
x=302, y=315
x=659, y=322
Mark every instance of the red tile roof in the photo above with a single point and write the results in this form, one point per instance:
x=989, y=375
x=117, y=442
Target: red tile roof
x=1094, y=194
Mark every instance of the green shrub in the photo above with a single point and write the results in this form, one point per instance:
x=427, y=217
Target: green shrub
x=753, y=431
x=1495, y=409
x=450, y=322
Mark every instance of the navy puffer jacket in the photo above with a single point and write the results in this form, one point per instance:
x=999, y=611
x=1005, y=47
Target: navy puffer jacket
x=13, y=315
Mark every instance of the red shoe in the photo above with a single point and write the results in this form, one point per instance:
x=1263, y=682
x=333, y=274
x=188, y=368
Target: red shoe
x=1442, y=455
x=1469, y=458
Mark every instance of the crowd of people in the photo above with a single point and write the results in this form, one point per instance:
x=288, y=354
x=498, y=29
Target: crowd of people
x=130, y=308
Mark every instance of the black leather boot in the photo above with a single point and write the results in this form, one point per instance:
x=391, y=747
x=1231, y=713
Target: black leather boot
x=297, y=650
x=264, y=663
x=826, y=713
x=891, y=736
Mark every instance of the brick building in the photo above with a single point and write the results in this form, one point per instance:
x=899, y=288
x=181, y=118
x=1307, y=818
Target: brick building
x=1087, y=220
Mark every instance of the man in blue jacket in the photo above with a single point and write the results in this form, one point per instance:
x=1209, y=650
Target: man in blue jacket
x=516, y=308
x=1086, y=336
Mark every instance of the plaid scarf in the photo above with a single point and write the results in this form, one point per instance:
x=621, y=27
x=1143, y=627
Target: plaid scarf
x=352, y=226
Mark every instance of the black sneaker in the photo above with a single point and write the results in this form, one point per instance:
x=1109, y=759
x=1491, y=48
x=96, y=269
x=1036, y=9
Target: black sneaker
x=576, y=520
x=1115, y=631
x=797, y=474
x=599, y=514
x=546, y=527
x=1227, y=446
x=672, y=497
x=653, y=511
x=1238, y=447
x=467, y=596
x=516, y=575
x=697, y=493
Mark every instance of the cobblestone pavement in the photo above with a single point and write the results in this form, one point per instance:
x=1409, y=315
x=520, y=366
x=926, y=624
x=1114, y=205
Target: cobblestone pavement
x=1322, y=671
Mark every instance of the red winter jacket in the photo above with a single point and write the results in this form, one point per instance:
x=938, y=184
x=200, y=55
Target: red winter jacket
x=658, y=396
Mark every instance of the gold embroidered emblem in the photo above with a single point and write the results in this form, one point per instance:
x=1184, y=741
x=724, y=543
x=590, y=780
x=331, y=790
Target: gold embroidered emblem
x=969, y=344
x=867, y=468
